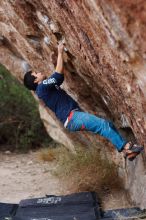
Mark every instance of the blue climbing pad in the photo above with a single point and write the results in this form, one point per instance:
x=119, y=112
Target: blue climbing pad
x=76, y=206
x=125, y=214
x=85, y=216
x=7, y=210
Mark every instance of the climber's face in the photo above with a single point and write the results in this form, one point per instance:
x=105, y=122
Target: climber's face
x=39, y=76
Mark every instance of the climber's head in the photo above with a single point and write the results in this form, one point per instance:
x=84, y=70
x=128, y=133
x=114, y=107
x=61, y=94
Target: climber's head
x=32, y=79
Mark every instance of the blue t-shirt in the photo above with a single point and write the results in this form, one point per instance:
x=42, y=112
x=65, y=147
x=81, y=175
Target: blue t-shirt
x=56, y=98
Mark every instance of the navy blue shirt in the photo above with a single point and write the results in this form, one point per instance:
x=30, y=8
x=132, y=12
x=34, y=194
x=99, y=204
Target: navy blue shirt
x=56, y=98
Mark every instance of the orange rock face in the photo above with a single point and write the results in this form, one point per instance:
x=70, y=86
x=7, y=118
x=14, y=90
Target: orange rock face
x=105, y=64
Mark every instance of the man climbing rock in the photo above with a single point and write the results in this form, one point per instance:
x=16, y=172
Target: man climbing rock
x=68, y=111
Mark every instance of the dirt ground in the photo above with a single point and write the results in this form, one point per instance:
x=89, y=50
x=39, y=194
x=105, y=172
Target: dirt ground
x=24, y=176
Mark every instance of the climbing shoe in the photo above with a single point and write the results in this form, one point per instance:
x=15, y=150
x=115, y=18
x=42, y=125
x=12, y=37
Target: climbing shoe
x=135, y=150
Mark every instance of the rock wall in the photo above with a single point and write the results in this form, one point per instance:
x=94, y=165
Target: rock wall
x=104, y=66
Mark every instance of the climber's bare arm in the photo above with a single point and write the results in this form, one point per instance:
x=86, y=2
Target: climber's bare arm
x=59, y=67
x=57, y=77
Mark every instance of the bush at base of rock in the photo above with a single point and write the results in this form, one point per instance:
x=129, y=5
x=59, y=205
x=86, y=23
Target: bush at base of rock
x=20, y=123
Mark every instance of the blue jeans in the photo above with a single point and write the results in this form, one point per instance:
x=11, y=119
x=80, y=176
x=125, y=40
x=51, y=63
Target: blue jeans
x=85, y=121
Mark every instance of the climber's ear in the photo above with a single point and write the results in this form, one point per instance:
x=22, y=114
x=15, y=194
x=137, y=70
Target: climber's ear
x=36, y=80
x=35, y=75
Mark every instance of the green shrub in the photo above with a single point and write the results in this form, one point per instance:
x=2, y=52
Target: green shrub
x=20, y=123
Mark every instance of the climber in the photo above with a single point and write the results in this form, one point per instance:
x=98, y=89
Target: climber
x=68, y=111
